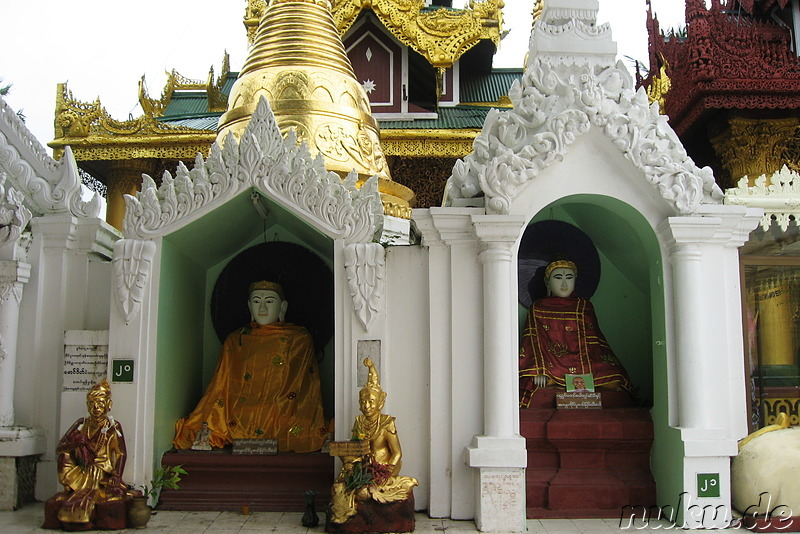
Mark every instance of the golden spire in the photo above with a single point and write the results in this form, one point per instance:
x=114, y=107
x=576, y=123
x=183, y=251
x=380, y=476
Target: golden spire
x=299, y=63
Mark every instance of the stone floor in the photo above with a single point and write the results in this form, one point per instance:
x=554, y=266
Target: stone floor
x=30, y=517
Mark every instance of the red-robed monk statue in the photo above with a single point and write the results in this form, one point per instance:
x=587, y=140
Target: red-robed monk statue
x=561, y=337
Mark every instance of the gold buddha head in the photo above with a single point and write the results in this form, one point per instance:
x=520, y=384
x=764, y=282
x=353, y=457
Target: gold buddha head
x=98, y=400
x=266, y=302
x=559, y=277
x=371, y=398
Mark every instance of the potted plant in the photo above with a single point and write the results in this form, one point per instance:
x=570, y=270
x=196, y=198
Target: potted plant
x=166, y=476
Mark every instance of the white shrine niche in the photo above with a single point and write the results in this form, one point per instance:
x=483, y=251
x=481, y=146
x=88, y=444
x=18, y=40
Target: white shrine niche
x=581, y=145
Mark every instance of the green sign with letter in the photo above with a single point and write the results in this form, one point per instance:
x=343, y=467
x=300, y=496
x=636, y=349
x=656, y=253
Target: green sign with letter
x=122, y=370
x=708, y=484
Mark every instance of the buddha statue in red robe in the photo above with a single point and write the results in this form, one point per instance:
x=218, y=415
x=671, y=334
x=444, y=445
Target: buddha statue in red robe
x=266, y=384
x=561, y=336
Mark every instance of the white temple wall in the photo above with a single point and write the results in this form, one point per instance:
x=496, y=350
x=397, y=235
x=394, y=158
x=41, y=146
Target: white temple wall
x=68, y=289
x=407, y=361
x=456, y=303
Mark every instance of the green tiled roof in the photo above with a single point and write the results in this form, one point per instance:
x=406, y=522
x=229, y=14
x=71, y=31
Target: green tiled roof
x=190, y=108
x=490, y=87
x=209, y=122
x=455, y=118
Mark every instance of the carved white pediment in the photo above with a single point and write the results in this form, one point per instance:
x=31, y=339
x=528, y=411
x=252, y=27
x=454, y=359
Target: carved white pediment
x=365, y=265
x=133, y=263
x=14, y=216
x=560, y=98
x=263, y=159
x=47, y=185
x=780, y=200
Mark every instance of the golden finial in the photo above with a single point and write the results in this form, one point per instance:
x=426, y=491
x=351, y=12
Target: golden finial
x=660, y=86
x=373, y=381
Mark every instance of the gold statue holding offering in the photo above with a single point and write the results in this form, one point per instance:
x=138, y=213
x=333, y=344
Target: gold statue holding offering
x=374, y=474
x=91, y=458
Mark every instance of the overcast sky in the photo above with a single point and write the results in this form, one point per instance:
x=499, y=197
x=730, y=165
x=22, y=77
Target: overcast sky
x=102, y=48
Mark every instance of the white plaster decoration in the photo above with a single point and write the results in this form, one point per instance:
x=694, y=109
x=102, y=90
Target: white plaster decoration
x=264, y=160
x=779, y=199
x=49, y=186
x=10, y=289
x=365, y=265
x=133, y=261
x=14, y=216
x=558, y=100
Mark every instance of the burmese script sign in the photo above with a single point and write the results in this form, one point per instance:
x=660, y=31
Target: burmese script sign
x=266, y=446
x=578, y=400
x=85, y=359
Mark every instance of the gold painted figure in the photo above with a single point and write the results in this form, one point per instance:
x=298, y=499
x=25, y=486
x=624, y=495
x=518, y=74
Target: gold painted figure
x=91, y=459
x=380, y=467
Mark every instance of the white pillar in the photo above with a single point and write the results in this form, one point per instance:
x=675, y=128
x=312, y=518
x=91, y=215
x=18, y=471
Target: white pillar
x=13, y=274
x=499, y=454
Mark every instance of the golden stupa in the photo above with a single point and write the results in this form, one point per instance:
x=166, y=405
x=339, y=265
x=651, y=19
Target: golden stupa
x=298, y=62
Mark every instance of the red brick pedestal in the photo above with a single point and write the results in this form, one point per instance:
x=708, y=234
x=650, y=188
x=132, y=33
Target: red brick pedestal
x=587, y=463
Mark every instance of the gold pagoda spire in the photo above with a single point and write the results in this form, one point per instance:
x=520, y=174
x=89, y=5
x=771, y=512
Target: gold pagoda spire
x=298, y=62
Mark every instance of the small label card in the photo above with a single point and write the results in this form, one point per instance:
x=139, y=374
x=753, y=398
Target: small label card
x=348, y=448
x=265, y=446
x=578, y=400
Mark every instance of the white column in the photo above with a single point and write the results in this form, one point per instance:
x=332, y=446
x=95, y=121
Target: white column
x=13, y=274
x=499, y=454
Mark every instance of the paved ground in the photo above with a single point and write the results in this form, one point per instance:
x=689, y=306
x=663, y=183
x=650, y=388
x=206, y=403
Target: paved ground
x=30, y=517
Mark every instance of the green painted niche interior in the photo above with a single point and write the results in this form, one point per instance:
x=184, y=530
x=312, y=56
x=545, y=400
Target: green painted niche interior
x=191, y=260
x=630, y=306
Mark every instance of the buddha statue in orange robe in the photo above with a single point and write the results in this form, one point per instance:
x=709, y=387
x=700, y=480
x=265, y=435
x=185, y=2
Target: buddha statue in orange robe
x=266, y=384
x=561, y=336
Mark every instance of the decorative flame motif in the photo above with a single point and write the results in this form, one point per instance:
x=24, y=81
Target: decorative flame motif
x=365, y=266
x=264, y=160
x=133, y=261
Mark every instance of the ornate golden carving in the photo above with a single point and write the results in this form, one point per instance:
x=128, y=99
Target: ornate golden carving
x=124, y=178
x=538, y=7
x=441, y=36
x=428, y=143
x=217, y=101
x=94, y=135
x=752, y=147
x=659, y=87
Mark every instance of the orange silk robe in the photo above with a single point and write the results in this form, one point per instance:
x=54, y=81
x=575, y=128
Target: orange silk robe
x=561, y=336
x=266, y=385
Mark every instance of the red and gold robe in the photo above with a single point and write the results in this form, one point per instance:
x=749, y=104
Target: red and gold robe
x=561, y=336
x=266, y=385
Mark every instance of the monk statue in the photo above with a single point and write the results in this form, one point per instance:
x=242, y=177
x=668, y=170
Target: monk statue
x=91, y=459
x=373, y=476
x=266, y=384
x=562, y=336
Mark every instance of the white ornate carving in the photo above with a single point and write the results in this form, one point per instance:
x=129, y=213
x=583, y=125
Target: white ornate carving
x=10, y=289
x=3, y=352
x=278, y=167
x=561, y=97
x=48, y=186
x=14, y=216
x=365, y=265
x=780, y=200
x=133, y=261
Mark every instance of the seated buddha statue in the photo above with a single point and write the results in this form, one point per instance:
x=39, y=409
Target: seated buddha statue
x=375, y=476
x=91, y=459
x=266, y=384
x=562, y=336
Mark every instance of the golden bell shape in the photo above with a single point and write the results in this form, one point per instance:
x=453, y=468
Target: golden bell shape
x=298, y=62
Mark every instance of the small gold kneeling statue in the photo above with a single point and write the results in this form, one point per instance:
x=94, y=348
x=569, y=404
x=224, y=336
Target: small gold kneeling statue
x=374, y=474
x=91, y=459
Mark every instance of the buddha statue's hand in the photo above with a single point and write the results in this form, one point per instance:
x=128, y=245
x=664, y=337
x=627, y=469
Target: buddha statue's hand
x=540, y=381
